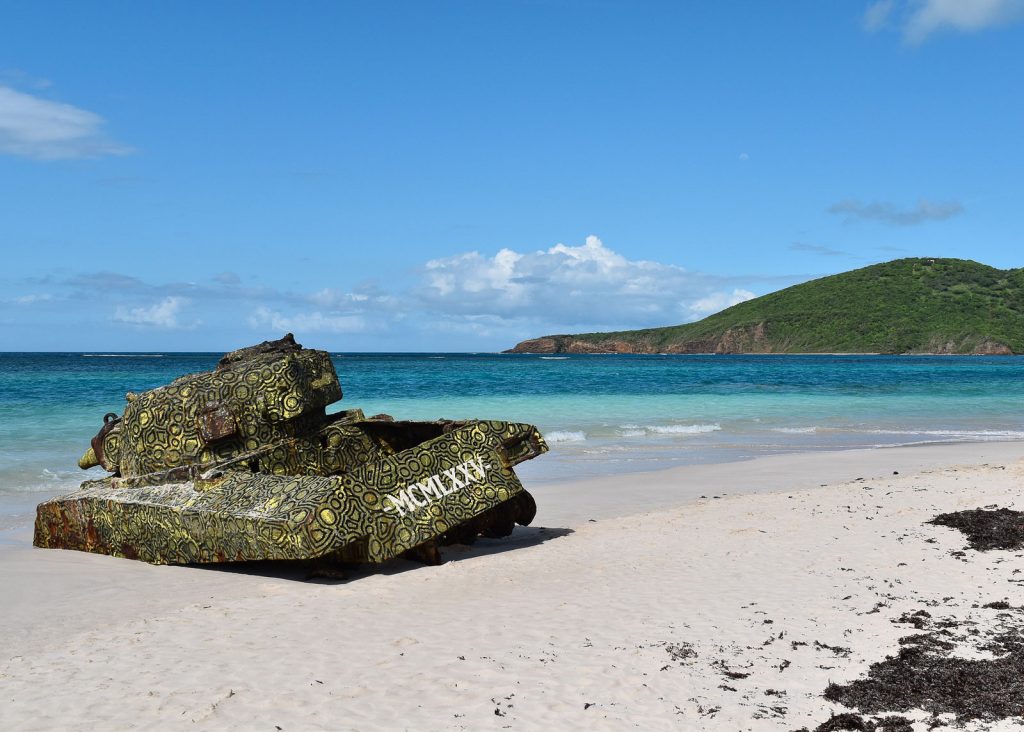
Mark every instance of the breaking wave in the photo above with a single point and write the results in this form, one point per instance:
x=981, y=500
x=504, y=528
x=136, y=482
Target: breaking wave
x=964, y=434
x=684, y=429
x=49, y=481
x=565, y=436
x=635, y=430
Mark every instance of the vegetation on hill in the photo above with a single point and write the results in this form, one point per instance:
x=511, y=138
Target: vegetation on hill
x=904, y=306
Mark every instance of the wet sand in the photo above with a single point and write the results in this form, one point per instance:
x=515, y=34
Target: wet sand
x=705, y=597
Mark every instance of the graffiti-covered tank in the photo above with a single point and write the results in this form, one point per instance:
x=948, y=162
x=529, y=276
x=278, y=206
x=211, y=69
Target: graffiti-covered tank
x=244, y=463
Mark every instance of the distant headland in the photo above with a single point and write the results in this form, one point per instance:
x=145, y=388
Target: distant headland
x=906, y=306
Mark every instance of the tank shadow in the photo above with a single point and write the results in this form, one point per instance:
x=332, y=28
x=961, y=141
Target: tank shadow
x=326, y=572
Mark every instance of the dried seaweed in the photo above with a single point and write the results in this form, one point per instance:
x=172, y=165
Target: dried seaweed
x=985, y=530
x=920, y=619
x=924, y=676
x=855, y=722
x=998, y=605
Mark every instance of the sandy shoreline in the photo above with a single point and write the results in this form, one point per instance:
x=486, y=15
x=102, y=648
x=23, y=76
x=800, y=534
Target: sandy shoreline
x=667, y=611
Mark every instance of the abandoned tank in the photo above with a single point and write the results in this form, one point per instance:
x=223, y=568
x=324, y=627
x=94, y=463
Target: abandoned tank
x=244, y=463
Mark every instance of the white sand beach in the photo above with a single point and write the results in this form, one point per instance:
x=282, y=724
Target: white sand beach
x=717, y=597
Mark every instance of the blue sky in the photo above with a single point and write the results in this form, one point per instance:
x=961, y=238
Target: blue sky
x=462, y=175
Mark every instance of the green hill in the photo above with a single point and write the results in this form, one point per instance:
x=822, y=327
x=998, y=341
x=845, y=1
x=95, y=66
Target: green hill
x=903, y=306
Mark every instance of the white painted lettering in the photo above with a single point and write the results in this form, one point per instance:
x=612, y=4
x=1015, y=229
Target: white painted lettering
x=464, y=469
x=404, y=501
x=450, y=475
x=399, y=502
x=479, y=467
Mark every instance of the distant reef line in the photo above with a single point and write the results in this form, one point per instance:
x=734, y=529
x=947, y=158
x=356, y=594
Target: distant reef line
x=922, y=306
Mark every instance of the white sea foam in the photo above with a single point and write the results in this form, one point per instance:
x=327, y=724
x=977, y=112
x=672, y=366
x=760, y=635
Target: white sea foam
x=636, y=430
x=964, y=434
x=554, y=358
x=795, y=430
x=683, y=429
x=565, y=436
x=45, y=481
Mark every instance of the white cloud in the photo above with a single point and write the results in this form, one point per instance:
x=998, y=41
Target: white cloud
x=38, y=128
x=17, y=77
x=744, y=157
x=963, y=15
x=331, y=298
x=163, y=314
x=919, y=19
x=470, y=297
x=307, y=322
x=877, y=15
x=720, y=301
x=33, y=299
x=576, y=287
x=890, y=213
x=799, y=246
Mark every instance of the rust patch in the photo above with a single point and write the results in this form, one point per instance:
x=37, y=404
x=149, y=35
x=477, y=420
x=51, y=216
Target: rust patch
x=216, y=422
x=110, y=421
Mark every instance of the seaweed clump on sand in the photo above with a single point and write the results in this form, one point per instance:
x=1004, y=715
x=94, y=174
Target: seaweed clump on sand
x=924, y=676
x=1001, y=528
x=857, y=723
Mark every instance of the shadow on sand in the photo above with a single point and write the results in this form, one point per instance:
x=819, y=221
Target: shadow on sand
x=317, y=571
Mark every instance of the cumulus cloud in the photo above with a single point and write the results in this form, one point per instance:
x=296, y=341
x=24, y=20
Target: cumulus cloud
x=491, y=298
x=962, y=15
x=919, y=19
x=799, y=246
x=34, y=127
x=307, y=322
x=888, y=213
x=588, y=285
x=720, y=301
x=331, y=298
x=163, y=314
x=877, y=15
x=564, y=287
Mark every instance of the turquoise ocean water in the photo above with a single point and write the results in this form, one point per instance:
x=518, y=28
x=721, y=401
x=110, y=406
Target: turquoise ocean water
x=600, y=414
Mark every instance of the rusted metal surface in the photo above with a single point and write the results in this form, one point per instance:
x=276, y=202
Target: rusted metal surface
x=110, y=420
x=216, y=422
x=243, y=463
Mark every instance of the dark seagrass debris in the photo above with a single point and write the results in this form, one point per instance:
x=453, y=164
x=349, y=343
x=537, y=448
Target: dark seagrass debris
x=1001, y=528
x=920, y=619
x=923, y=676
x=848, y=721
x=998, y=605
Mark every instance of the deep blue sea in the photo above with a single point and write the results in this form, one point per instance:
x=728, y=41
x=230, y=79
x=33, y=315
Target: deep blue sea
x=600, y=414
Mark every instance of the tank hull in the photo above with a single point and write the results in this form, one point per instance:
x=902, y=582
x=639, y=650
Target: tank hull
x=456, y=484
